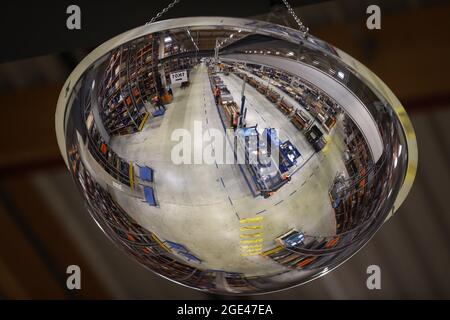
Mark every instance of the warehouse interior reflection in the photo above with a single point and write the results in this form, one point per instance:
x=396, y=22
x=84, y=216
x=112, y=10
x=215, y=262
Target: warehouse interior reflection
x=336, y=150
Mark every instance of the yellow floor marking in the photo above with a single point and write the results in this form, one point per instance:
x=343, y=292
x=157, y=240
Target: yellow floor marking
x=252, y=241
x=274, y=250
x=252, y=250
x=143, y=121
x=327, y=143
x=252, y=246
x=251, y=228
x=246, y=220
x=131, y=174
x=251, y=235
x=162, y=245
x=257, y=251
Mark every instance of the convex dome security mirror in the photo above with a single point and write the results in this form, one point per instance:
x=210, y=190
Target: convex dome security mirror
x=234, y=156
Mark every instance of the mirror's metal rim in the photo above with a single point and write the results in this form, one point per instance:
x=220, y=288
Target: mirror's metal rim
x=364, y=72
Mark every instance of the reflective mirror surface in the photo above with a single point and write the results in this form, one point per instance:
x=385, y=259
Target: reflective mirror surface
x=234, y=156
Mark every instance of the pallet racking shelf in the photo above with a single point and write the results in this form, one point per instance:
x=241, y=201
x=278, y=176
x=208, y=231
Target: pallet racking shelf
x=114, y=165
x=128, y=81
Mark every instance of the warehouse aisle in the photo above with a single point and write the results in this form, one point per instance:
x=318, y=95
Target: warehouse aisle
x=198, y=200
x=192, y=201
x=264, y=113
x=316, y=169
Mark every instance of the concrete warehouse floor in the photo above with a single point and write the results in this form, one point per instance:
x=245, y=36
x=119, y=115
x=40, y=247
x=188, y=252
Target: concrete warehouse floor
x=202, y=206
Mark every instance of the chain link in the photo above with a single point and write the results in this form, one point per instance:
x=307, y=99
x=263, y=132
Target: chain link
x=303, y=29
x=163, y=11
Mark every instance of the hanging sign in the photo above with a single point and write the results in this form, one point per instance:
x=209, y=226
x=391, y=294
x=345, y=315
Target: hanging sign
x=178, y=77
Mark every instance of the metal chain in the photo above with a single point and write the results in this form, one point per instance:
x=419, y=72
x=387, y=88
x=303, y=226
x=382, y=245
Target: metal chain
x=303, y=29
x=163, y=11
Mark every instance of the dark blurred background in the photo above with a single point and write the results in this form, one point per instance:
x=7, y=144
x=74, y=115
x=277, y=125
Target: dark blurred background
x=44, y=226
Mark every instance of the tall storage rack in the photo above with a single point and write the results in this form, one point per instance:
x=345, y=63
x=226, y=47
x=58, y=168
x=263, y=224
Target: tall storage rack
x=145, y=65
x=117, y=167
x=114, y=111
x=356, y=205
x=128, y=82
